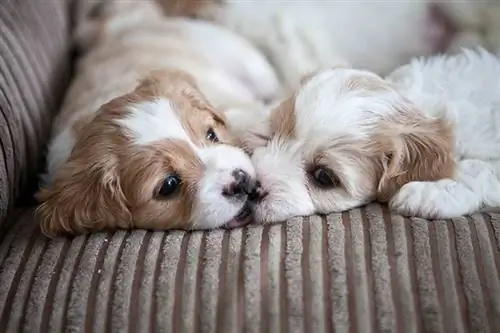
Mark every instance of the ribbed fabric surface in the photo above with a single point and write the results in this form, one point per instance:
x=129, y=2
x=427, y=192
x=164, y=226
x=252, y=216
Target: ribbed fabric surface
x=34, y=59
x=361, y=271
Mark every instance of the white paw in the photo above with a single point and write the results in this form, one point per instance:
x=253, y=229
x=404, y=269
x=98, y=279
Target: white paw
x=434, y=200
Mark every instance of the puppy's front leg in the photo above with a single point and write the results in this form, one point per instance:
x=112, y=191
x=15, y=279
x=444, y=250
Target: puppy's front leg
x=476, y=185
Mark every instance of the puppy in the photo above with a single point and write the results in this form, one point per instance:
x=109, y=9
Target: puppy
x=424, y=139
x=140, y=141
x=303, y=36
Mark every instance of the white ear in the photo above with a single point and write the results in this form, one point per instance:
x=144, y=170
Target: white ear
x=249, y=124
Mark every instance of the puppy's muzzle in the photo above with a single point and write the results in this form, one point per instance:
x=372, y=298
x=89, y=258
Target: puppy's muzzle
x=241, y=186
x=257, y=193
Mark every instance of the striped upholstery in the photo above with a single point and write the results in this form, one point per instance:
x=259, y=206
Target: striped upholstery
x=34, y=63
x=362, y=271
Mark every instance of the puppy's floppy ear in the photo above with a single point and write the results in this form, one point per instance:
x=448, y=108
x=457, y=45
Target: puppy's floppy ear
x=414, y=148
x=84, y=196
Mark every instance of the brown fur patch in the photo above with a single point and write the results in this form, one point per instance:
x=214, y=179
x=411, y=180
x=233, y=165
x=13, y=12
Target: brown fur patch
x=143, y=176
x=282, y=119
x=86, y=193
x=415, y=149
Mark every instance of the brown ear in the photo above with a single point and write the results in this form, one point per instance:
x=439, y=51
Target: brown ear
x=417, y=151
x=83, y=197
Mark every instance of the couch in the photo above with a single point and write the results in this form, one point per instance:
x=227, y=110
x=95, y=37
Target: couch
x=365, y=270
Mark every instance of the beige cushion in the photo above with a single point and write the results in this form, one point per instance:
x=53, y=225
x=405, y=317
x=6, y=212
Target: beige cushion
x=361, y=271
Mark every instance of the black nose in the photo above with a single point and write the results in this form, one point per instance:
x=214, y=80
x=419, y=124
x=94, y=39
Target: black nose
x=256, y=192
x=239, y=185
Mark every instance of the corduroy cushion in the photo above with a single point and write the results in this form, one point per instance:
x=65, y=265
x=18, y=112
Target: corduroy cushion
x=361, y=271
x=34, y=62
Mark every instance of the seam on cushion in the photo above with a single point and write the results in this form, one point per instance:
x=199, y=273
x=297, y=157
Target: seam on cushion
x=45, y=323
x=24, y=284
x=109, y=308
x=198, y=284
x=222, y=282
x=240, y=285
x=470, y=279
x=178, y=283
x=435, y=262
x=327, y=277
x=96, y=277
x=76, y=264
x=264, y=279
x=9, y=231
x=136, y=283
x=391, y=255
x=153, y=322
x=462, y=300
x=4, y=318
x=306, y=277
x=370, y=279
x=480, y=269
x=495, y=247
x=413, y=275
x=489, y=269
x=283, y=282
x=22, y=320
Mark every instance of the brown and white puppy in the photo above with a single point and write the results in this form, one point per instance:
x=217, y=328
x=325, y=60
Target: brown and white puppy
x=424, y=139
x=132, y=149
x=345, y=138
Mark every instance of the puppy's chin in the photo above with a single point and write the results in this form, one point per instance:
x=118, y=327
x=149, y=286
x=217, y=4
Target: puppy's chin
x=279, y=208
x=241, y=219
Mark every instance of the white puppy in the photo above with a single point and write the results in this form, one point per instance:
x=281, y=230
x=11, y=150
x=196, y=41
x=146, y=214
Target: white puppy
x=425, y=140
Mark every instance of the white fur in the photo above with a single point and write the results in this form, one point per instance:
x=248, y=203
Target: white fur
x=465, y=88
x=303, y=36
x=211, y=209
x=153, y=121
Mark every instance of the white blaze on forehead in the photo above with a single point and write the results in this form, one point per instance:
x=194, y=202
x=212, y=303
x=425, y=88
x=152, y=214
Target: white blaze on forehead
x=154, y=120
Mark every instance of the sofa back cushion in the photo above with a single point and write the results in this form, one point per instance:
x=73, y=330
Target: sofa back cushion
x=34, y=67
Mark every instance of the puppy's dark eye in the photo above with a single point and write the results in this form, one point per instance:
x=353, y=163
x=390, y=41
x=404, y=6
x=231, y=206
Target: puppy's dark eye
x=169, y=186
x=324, y=177
x=211, y=136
